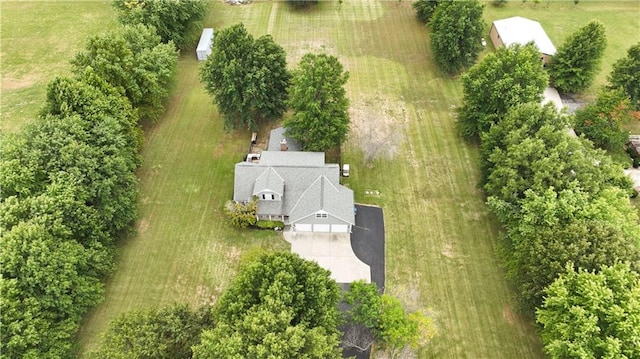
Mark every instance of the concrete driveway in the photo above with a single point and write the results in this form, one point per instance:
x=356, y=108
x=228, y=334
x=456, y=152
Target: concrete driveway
x=331, y=251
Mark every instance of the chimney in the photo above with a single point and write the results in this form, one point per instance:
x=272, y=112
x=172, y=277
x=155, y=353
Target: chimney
x=283, y=145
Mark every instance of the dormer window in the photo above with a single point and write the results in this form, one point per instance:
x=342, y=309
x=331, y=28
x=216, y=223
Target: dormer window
x=321, y=215
x=268, y=196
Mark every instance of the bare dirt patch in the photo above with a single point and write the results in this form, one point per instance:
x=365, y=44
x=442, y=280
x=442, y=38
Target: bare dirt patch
x=143, y=225
x=376, y=126
x=447, y=251
x=297, y=49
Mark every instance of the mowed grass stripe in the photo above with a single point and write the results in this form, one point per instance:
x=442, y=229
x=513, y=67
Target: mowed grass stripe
x=433, y=207
x=440, y=250
x=184, y=250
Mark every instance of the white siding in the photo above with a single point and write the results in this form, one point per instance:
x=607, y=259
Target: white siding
x=204, y=46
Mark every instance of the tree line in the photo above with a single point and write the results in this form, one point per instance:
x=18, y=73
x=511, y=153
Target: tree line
x=279, y=305
x=69, y=190
x=572, y=237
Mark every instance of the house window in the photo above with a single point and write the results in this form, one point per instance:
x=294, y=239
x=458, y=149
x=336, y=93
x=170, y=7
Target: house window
x=269, y=196
x=321, y=215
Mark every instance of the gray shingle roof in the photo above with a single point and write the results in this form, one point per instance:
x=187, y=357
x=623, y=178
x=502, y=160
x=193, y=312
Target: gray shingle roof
x=309, y=185
x=291, y=158
x=323, y=195
x=276, y=135
x=269, y=180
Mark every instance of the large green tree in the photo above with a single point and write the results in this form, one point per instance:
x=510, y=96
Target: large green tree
x=592, y=314
x=320, y=119
x=425, y=9
x=571, y=226
x=247, y=78
x=541, y=158
x=168, y=332
x=510, y=76
x=132, y=60
x=279, y=305
x=530, y=150
x=626, y=74
x=392, y=327
x=602, y=121
x=575, y=65
x=48, y=281
x=175, y=21
x=89, y=152
x=456, y=32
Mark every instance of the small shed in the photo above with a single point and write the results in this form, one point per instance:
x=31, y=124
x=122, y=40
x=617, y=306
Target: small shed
x=518, y=30
x=204, y=45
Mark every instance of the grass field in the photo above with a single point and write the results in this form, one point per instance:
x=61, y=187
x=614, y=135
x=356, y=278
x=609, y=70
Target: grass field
x=38, y=39
x=403, y=147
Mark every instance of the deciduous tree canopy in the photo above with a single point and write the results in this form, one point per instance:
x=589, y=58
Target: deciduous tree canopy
x=391, y=325
x=278, y=305
x=247, y=78
x=592, y=315
x=626, y=74
x=510, y=76
x=456, y=32
x=602, y=120
x=575, y=65
x=175, y=21
x=570, y=226
x=320, y=119
x=425, y=9
x=543, y=156
x=132, y=60
x=169, y=333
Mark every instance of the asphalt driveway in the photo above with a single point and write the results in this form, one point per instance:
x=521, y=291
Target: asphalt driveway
x=367, y=241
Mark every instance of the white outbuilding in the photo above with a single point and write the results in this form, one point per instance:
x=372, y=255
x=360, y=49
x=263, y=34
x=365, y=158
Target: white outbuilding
x=206, y=43
x=518, y=30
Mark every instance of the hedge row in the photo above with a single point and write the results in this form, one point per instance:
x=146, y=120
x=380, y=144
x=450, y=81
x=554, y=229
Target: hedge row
x=69, y=190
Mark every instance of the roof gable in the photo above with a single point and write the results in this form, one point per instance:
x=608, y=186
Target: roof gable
x=269, y=181
x=324, y=196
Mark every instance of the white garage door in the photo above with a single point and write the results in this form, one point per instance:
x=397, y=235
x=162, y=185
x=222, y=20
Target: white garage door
x=322, y=228
x=302, y=227
x=341, y=228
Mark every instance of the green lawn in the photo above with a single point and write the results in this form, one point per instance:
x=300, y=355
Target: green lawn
x=440, y=250
x=403, y=151
x=184, y=250
x=38, y=39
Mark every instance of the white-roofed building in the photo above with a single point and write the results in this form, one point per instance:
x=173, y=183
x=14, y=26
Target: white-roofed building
x=204, y=45
x=518, y=30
